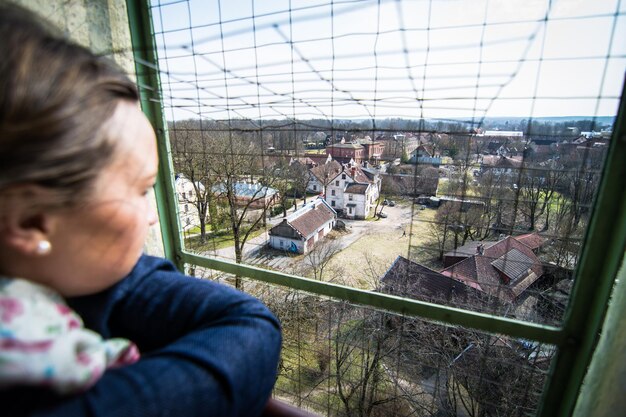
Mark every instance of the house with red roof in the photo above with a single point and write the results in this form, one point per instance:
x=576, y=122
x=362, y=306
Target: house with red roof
x=300, y=231
x=503, y=269
x=353, y=191
x=406, y=278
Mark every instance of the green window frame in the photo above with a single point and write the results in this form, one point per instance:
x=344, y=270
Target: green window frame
x=602, y=253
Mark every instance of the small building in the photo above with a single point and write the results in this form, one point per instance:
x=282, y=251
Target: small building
x=255, y=195
x=358, y=201
x=299, y=231
x=533, y=240
x=500, y=165
x=406, y=278
x=425, y=154
x=321, y=176
x=187, y=199
x=502, y=270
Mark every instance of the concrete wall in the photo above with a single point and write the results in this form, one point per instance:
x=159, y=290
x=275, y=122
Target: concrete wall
x=102, y=26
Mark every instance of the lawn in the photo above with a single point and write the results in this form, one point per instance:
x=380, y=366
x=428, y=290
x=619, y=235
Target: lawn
x=218, y=240
x=365, y=261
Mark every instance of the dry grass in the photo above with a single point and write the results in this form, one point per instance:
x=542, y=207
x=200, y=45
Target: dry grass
x=365, y=261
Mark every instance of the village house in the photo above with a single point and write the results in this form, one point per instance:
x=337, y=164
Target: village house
x=255, y=195
x=186, y=198
x=299, y=231
x=349, y=188
x=322, y=175
x=406, y=278
x=500, y=165
x=502, y=270
x=425, y=154
x=353, y=191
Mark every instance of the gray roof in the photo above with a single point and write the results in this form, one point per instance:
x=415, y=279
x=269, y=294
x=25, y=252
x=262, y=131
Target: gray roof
x=346, y=145
x=469, y=249
x=356, y=188
x=410, y=279
x=514, y=264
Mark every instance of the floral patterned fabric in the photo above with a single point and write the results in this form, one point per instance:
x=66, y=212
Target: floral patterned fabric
x=43, y=342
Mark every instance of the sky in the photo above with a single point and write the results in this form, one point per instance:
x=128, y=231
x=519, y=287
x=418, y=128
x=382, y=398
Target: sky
x=377, y=59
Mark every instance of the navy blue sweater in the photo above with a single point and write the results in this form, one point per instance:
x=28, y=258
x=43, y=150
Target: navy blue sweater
x=207, y=350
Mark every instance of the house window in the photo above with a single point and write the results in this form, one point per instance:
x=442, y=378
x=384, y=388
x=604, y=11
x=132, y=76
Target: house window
x=350, y=210
x=337, y=183
x=332, y=192
x=332, y=203
x=315, y=188
x=190, y=194
x=350, y=197
x=186, y=208
x=280, y=242
x=343, y=176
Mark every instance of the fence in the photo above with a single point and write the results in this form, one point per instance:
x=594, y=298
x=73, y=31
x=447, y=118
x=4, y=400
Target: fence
x=483, y=306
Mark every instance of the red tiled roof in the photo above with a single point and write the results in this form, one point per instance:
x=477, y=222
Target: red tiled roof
x=479, y=269
x=532, y=240
x=358, y=175
x=312, y=219
x=332, y=168
x=317, y=158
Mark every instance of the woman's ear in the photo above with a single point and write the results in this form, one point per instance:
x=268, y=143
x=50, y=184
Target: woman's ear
x=24, y=221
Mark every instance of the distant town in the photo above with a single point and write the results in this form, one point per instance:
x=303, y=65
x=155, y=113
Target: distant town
x=514, y=200
x=489, y=219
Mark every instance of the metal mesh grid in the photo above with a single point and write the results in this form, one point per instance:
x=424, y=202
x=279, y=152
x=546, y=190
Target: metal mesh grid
x=340, y=359
x=494, y=126
x=257, y=95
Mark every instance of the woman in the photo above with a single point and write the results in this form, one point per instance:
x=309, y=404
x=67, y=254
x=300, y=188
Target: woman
x=77, y=160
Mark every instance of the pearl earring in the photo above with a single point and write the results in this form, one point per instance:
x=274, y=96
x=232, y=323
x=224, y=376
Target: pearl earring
x=43, y=247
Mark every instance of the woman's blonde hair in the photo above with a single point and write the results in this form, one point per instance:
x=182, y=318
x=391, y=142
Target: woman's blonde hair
x=55, y=98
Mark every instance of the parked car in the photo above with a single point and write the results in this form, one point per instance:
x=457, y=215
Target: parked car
x=391, y=203
x=382, y=215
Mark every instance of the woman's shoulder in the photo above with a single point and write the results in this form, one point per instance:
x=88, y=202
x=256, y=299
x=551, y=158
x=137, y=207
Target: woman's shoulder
x=160, y=273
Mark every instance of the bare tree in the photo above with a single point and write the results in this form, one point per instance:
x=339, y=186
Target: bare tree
x=319, y=257
x=300, y=176
x=235, y=159
x=192, y=158
x=326, y=173
x=442, y=227
x=537, y=185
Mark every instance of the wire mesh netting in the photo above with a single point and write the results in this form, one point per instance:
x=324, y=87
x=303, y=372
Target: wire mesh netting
x=339, y=359
x=443, y=151
x=457, y=145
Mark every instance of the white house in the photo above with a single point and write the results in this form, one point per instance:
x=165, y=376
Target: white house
x=322, y=174
x=186, y=197
x=353, y=191
x=299, y=231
